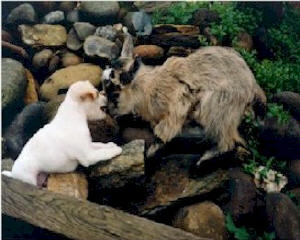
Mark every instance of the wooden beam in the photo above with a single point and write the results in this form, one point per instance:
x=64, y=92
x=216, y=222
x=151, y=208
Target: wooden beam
x=80, y=219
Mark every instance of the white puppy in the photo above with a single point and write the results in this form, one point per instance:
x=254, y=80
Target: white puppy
x=66, y=141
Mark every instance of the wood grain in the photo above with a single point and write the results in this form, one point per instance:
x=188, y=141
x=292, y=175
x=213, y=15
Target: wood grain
x=79, y=219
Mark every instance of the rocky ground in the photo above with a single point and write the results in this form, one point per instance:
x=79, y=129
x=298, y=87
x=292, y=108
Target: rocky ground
x=47, y=46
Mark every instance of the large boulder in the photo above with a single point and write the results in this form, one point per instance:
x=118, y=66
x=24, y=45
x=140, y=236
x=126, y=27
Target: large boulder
x=14, y=83
x=43, y=35
x=290, y=101
x=204, y=219
x=24, y=13
x=99, y=12
x=23, y=127
x=280, y=140
x=101, y=47
x=171, y=184
x=283, y=216
x=59, y=82
x=243, y=196
x=122, y=169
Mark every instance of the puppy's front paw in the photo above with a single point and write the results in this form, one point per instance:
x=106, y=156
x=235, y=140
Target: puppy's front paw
x=111, y=144
x=7, y=173
x=116, y=151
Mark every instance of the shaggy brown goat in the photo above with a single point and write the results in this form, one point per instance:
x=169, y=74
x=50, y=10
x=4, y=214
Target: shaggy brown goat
x=213, y=86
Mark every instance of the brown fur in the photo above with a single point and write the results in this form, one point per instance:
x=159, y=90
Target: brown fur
x=212, y=86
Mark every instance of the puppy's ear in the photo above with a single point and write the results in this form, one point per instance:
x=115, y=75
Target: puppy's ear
x=89, y=96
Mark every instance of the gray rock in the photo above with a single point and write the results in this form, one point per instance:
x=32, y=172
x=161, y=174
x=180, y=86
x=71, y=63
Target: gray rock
x=120, y=170
x=24, y=13
x=99, y=11
x=41, y=59
x=283, y=216
x=101, y=47
x=138, y=23
x=23, y=127
x=54, y=17
x=73, y=16
x=108, y=32
x=84, y=29
x=73, y=42
x=14, y=82
x=6, y=164
x=43, y=35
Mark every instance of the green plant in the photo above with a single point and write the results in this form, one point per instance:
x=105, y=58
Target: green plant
x=238, y=233
x=273, y=76
x=234, y=20
x=243, y=233
x=267, y=236
x=203, y=40
x=277, y=111
x=250, y=129
x=177, y=13
x=284, y=38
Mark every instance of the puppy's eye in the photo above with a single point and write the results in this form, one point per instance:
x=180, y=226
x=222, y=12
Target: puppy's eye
x=62, y=91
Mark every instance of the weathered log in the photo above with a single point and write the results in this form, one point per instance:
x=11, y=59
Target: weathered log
x=79, y=219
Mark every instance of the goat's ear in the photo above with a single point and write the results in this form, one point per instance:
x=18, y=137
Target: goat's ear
x=90, y=96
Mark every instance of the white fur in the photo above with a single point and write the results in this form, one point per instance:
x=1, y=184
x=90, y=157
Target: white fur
x=66, y=141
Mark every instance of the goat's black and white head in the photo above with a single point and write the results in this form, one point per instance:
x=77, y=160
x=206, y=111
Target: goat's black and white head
x=121, y=73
